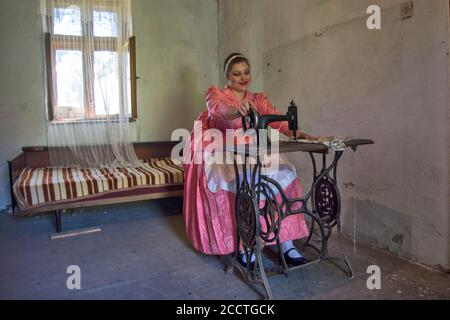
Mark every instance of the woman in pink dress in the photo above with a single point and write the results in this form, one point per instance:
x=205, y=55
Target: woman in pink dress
x=209, y=205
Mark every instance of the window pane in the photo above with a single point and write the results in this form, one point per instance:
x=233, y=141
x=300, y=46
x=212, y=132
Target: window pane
x=106, y=83
x=67, y=21
x=69, y=84
x=105, y=24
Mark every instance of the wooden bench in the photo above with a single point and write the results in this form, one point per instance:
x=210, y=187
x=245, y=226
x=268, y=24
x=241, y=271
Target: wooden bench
x=38, y=157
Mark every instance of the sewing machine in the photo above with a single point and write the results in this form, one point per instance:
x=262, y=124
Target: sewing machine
x=323, y=198
x=256, y=121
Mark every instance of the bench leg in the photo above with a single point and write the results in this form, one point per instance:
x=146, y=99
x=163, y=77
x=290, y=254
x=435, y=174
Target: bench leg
x=58, y=220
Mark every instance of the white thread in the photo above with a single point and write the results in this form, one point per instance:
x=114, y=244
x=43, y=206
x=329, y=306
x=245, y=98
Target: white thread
x=354, y=202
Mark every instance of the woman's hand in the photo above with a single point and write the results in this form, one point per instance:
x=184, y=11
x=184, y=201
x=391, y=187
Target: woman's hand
x=300, y=135
x=244, y=108
x=304, y=135
x=240, y=111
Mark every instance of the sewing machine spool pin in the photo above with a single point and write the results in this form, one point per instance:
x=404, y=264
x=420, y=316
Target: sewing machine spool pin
x=293, y=123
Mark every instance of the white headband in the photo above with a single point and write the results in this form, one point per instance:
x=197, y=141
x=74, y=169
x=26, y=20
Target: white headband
x=231, y=59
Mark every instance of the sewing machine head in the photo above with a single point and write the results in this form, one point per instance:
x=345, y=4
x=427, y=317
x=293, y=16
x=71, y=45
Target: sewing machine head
x=256, y=121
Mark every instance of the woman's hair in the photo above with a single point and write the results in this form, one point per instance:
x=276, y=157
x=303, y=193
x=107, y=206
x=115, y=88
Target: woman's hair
x=233, y=59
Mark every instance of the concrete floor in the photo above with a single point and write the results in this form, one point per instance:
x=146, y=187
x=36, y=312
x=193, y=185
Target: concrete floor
x=142, y=253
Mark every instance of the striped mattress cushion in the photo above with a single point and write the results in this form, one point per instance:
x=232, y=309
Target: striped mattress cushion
x=40, y=186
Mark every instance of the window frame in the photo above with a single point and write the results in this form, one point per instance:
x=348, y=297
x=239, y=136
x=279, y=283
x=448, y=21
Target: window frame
x=55, y=41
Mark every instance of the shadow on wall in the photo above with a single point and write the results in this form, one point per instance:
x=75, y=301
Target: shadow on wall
x=372, y=220
x=185, y=102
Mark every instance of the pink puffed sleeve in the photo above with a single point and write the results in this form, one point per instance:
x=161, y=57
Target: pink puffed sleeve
x=216, y=103
x=265, y=107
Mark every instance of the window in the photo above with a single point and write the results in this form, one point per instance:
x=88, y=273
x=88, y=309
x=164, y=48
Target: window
x=91, y=69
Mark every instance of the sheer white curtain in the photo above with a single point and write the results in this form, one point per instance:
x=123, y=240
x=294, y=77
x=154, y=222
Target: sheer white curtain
x=87, y=56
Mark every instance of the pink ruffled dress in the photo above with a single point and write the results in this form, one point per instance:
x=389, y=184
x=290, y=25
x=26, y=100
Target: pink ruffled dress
x=209, y=207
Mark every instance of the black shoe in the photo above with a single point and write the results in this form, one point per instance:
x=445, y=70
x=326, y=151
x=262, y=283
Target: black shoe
x=241, y=260
x=294, y=261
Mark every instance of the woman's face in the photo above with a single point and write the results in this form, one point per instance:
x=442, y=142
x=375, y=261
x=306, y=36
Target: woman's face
x=239, y=77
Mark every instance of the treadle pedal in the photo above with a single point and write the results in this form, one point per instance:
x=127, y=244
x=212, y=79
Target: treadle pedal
x=304, y=265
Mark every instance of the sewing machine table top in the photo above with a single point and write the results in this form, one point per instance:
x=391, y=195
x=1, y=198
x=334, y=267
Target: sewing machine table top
x=293, y=146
